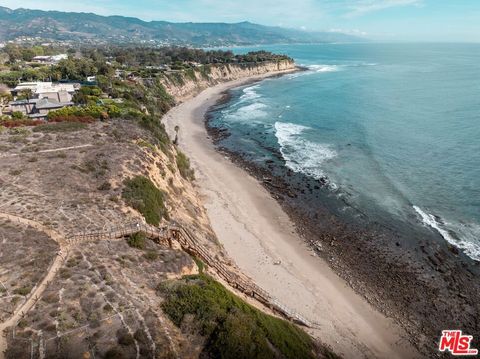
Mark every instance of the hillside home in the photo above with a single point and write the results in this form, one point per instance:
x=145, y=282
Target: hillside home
x=54, y=59
x=59, y=92
x=37, y=108
x=42, y=97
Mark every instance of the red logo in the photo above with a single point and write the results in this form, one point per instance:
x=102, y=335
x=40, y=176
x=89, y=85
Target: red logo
x=457, y=343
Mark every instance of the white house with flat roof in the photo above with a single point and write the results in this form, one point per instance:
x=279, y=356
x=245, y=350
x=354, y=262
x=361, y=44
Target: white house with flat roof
x=52, y=59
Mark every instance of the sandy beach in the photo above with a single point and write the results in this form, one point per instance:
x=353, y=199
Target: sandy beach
x=262, y=240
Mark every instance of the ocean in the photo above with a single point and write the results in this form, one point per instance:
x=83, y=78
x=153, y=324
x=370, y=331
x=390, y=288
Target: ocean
x=390, y=130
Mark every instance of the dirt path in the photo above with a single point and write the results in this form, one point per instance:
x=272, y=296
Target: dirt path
x=48, y=151
x=37, y=291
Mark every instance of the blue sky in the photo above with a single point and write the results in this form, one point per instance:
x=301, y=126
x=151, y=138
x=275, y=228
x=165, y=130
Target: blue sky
x=385, y=20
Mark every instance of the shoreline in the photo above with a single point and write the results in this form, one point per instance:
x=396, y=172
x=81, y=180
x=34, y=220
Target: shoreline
x=262, y=240
x=406, y=271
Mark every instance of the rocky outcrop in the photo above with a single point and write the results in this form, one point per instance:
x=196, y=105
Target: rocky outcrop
x=188, y=83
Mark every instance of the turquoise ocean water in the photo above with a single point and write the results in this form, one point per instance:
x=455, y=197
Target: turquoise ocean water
x=392, y=127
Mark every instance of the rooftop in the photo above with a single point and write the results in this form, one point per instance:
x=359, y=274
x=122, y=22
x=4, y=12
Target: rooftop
x=42, y=87
x=45, y=103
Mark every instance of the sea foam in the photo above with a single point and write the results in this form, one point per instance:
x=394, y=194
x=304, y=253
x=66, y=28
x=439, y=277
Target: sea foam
x=313, y=69
x=464, y=237
x=301, y=155
x=249, y=94
x=324, y=68
x=247, y=113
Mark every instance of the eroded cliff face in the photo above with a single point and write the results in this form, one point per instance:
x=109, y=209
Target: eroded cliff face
x=186, y=84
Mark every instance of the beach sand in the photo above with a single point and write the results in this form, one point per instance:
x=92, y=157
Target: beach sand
x=262, y=240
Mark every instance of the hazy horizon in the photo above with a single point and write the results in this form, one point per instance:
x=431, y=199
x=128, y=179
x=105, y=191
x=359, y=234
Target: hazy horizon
x=378, y=20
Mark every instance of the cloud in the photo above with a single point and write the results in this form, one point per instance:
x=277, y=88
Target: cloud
x=362, y=7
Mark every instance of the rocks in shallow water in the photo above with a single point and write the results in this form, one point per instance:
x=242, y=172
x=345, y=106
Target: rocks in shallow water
x=291, y=194
x=454, y=250
x=318, y=246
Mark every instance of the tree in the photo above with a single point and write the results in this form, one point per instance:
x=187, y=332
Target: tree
x=28, y=54
x=14, y=53
x=26, y=94
x=5, y=97
x=177, y=128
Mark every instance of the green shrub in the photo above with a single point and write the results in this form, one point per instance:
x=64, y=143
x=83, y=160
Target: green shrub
x=60, y=127
x=137, y=240
x=144, y=143
x=22, y=291
x=190, y=73
x=200, y=264
x=205, y=71
x=93, y=110
x=141, y=194
x=183, y=164
x=151, y=255
x=233, y=328
x=157, y=129
x=17, y=115
x=124, y=337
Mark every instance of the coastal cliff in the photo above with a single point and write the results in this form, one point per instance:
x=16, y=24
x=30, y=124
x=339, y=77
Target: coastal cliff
x=117, y=173
x=183, y=85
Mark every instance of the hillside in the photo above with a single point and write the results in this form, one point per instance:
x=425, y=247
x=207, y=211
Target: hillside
x=88, y=27
x=80, y=279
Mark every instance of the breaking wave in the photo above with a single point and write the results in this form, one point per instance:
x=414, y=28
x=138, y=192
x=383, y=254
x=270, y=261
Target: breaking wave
x=301, y=155
x=249, y=94
x=462, y=236
x=313, y=69
x=247, y=113
x=324, y=68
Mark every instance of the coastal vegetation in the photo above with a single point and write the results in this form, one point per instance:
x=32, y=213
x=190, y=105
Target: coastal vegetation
x=141, y=194
x=137, y=240
x=183, y=164
x=103, y=61
x=231, y=327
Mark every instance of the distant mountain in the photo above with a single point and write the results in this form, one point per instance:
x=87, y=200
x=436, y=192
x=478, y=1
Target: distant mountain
x=88, y=27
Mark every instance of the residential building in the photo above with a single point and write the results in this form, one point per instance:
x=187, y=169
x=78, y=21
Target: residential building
x=59, y=92
x=53, y=59
x=42, y=98
x=37, y=108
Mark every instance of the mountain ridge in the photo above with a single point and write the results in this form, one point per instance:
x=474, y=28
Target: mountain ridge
x=92, y=28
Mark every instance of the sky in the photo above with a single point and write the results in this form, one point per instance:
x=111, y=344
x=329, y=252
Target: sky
x=382, y=20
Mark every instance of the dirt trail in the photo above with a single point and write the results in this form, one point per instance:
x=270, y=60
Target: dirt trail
x=37, y=291
x=48, y=151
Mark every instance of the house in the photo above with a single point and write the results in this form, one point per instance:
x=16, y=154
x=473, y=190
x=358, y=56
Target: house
x=53, y=59
x=37, y=108
x=45, y=105
x=42, y=97
x=59, y=92
x=24, y=106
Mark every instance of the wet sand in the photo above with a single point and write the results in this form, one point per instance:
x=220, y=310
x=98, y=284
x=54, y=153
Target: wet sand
x=260, y=237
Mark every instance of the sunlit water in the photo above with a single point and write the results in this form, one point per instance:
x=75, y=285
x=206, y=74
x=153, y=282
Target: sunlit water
x=395, y=126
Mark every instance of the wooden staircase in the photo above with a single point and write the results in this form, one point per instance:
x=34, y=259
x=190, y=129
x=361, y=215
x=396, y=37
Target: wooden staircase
x=167, y=234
